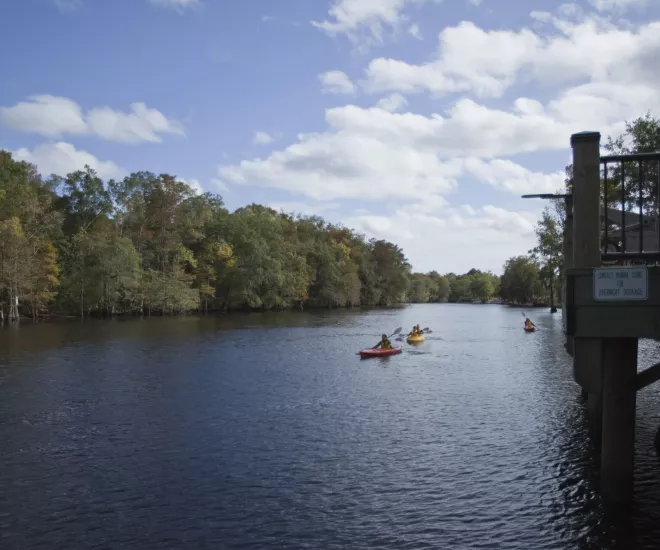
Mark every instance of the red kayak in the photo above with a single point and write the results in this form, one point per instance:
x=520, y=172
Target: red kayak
x=380, y=352
x=530, y=329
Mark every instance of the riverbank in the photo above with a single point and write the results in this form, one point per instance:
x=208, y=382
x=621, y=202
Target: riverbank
x=64, y=318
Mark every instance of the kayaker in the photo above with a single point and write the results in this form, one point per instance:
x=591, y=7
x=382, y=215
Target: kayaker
x=384, y=343
x=415, y=332
x=528, y=323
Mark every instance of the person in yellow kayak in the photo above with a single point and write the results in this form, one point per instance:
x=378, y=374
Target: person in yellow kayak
x=384, y=343
x=528, y=323
x=416, y=331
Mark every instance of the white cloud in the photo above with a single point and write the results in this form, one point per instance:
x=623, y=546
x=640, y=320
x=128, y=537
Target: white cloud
x=193, y=184
x=305, y=208
x=405, y=155
x=348, y=163
x=365, y=20
x=492, y=234
x=506, y=175
x=617, y=5
x=337, y=82
x=196, y=186
x=470, y=59
x=220, y=185
x=392, y=103
x=262, y=138
x=62, y=158
x=488, y=62
x=46, y=115
x=401, y=155
x=141, y=124
x=179, y=5
x=415, y=32
x=54, y=117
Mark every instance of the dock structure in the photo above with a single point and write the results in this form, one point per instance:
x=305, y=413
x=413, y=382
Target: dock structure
x=611, y=295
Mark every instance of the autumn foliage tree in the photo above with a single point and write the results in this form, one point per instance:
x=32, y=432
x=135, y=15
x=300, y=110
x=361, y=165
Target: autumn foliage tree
x=76, y=245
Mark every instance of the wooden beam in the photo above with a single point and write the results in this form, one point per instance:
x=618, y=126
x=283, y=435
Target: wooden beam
x=617, y=457
x=648, y=376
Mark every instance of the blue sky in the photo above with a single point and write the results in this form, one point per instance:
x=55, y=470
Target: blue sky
x=477, y=103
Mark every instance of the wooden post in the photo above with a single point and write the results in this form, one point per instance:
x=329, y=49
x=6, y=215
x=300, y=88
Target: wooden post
x=619, y=407
x=586, y=199
x=587, y=356
x=568, y=264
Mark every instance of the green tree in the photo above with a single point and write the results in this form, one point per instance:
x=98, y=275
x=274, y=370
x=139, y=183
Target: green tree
x=520, y=281
x=28, y=224
x=392, y=271
x=420, y=290
x=482, y=287
x=549, y=251
x=460, y=289
x=83, y=198
x=641, y=135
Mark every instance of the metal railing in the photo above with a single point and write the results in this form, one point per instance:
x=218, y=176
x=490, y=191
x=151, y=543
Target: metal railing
x=630, y=191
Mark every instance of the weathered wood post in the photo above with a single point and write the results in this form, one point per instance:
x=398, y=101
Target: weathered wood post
x=619, y=408
x=587, y=352
x=568, y=264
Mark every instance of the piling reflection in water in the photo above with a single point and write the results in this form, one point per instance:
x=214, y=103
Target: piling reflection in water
x=268, y=431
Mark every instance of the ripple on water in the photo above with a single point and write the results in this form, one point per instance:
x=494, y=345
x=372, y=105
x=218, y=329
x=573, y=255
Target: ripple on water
x=209, y=434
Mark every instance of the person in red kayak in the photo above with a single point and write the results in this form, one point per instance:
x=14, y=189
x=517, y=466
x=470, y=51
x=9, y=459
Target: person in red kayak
x=528, y=323
x=384, y=343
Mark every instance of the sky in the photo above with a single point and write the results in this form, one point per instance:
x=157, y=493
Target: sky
x=416, y=121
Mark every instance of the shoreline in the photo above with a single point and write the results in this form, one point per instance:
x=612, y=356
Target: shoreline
x=58, y=319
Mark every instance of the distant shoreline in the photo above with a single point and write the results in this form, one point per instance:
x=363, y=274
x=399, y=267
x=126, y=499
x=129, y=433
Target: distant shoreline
x=220, y=314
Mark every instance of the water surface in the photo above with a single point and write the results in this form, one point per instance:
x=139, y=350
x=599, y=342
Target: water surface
x=267, y=431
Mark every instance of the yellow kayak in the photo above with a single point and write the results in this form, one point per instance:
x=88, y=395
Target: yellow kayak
x=415, y=339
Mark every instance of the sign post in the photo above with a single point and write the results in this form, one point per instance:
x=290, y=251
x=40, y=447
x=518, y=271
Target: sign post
x=621, y=284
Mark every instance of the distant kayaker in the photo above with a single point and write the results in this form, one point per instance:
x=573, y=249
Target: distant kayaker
x=528, y=323
x=384, y=343
x=416, y=331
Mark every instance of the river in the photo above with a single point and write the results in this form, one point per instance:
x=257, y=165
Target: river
x=267, y=431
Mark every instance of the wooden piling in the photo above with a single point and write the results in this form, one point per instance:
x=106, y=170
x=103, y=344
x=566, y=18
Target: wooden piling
x=619, y=408
x=587, y=356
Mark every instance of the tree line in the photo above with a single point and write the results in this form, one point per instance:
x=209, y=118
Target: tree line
x=79, y=246
x=147, y=244
x=76, y=245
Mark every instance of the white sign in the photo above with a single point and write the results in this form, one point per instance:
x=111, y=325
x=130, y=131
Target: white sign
x=621, y=283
